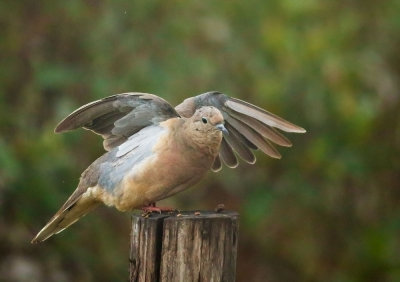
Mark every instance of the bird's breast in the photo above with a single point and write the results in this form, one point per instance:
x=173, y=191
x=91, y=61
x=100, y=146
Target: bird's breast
x=170, y=169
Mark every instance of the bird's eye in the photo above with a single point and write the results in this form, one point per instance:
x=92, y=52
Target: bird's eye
x=204, y=120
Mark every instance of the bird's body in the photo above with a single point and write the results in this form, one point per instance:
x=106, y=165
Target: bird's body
x=154, y=154
x=145, y=170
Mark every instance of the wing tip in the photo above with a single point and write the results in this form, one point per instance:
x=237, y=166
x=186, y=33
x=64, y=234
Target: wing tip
x=290, y=128
x=298, y=129
x=35, y=241
x=58, y=130
x=62, y=126
x=275, y=155
x=40, y=237
x=216, y=169
x=233, y=166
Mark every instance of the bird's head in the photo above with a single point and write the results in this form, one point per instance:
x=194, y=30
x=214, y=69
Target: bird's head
x=205, y=129
x=208, y=120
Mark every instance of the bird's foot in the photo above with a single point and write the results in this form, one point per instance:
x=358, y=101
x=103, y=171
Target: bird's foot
x=152, y=208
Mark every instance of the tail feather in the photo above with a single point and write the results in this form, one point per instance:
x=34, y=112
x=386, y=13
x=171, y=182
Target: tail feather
x=64, y=218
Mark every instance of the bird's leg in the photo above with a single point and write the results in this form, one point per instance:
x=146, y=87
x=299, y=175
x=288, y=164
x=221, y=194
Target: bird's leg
x=152, y=208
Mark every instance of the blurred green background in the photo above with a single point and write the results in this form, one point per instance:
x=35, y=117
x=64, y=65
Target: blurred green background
x=328, y=211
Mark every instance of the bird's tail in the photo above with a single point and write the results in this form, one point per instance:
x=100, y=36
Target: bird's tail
x=65, y=217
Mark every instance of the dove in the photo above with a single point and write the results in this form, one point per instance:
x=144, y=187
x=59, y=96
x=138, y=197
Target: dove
x=155, y=150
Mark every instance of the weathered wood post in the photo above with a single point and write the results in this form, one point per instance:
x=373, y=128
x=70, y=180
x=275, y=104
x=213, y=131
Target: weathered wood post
x=186, y=246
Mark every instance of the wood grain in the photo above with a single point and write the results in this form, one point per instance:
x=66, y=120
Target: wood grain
x=146, y=239
x=189, y=246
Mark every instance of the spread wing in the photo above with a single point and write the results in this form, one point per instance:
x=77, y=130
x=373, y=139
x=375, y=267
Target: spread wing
x=117, y=117
x=249, y=126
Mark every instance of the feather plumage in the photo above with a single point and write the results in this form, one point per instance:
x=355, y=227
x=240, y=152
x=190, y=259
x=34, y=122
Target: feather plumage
x=156, y=151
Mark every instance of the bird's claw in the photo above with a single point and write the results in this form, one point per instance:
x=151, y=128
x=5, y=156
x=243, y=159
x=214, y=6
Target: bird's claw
x=147, y=210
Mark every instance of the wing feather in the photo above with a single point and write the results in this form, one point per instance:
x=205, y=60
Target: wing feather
x=250, y=127
x=217, y=165
x=263, y=115
x=117, y=117
x=227, y=156
x=254, y=137
x=263, y=129
x=240, y=148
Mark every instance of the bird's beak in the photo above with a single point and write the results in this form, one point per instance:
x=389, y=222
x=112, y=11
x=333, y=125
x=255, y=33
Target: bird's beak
x=222, y=128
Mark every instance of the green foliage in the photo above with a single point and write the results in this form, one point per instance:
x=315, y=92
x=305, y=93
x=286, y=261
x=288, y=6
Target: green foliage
x=328, y=211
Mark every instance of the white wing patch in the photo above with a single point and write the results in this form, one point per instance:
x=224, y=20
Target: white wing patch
x=146, y=137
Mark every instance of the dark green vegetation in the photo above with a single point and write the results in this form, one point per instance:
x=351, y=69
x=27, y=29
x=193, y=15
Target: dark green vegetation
x=328, y=211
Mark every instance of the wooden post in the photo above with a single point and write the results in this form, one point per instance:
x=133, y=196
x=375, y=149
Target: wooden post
x=185, y=246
